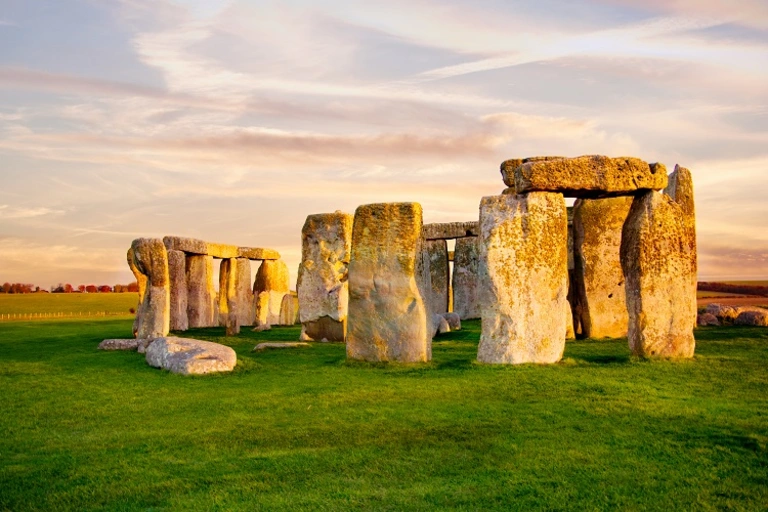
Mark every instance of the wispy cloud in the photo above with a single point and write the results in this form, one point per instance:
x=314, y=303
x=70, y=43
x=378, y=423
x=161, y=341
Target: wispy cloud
x=10, y=212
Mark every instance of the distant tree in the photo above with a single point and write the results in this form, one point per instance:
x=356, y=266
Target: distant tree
x=133, y=287
x=91, y=288
x=6, y=288
x=81, y=288
x=68, y=288
x=59, y=288
x=105, y=289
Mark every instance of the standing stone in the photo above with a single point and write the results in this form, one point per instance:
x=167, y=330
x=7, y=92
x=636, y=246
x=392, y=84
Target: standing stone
x=177, y=270
x=201, y=293
x=437, y=292
x=658, y=257
x=387, y=316
x=465, y=281
x=235, y=296
x=150, y=259
x=261, y=321
x=680, y=189
x=599, y=294
x=273, y=277
x=323, y=291
x=289, y=309
x=523, y=277
x=244, y=293
x=141, y=281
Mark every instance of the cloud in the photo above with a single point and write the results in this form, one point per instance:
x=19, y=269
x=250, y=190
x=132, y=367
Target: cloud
x=10, y=212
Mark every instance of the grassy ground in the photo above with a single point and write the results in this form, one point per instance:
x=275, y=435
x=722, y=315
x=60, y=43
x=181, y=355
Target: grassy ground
x=67, y=302
x=302, y=429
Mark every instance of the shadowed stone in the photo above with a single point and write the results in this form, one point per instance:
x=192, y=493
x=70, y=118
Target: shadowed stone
x=236, y=303
x=201, y=293
x=190, y=357
x=753, y=317
x=177, y=270
x=658, y=258
x=439, y=325
x=523, y=275
x=289, y=310
x=599, y=294
x=261, y=320
x=436, y=297
x=387, y=316
x=454, y=321
x=153, y=316
x=466, y=302
x=450, y=230
x=222, y=251
x=272, y=277
x=707, y=319
x=592, y=176
x=322, y=288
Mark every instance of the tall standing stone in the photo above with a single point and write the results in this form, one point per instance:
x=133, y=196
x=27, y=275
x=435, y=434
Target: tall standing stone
x=524, y=278
x=141, y=281
x=387, y=316
x=177, y=270
x=680, y=189
x=439, y=280
x=289, y=309
x=201, y=293
x=465, y=278
x=272, y=277
x=322, y=287
x=150, y=259
x=599, y=294
x=243, y=287
x=658, y=257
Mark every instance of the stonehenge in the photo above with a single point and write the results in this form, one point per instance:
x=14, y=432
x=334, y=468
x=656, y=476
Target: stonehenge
x=323, y=292
x=621, y=262
x=387, y=316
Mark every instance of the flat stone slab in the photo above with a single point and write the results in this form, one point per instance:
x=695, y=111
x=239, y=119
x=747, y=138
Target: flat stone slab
x=223, y=251
x=589, y=177
x=450, y=230
x=119, y=344
x=264, y=346
x=190, y=357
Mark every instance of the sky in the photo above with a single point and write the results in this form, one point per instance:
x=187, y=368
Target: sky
x=232, y=120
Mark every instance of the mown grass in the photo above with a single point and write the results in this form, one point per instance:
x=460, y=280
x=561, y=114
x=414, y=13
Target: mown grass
x=34, y=303
x=302, y=429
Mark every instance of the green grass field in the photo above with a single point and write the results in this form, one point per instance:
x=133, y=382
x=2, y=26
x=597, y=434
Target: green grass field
x=67, y=303
x=302, y=429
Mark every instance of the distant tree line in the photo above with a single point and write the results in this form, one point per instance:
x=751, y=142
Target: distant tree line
x=68, y=288
x=743, y=289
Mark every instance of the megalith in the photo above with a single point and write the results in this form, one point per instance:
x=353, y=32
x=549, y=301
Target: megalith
x=235, y=296
x=272, y=277
x=438, y=283
x=322, y=287
x=523, y=272
x=387, y=315
x=201, y=293
x=289, y=309
x=658, y=257
x=465, y=282
x=177, y=270
x=680, y=189
x=148, y=257
x=599, y=294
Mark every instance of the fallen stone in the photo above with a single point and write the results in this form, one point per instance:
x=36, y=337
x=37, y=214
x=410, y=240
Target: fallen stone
x=264, y=346
x=723, y=312
x=753, y=318
x=439, y=325
x=707, y=319
x=177, y=272
x=322, y=288
x=201, y=293
x=466, y=302
x=659, y=263
x=190, y=357
x=454, y=321
x=387, y=317
x=450, y=230
x=262, y=328
x=149, y=258
x=523, y=276
x=599, y=285
x=118, y=344
x=590, y=177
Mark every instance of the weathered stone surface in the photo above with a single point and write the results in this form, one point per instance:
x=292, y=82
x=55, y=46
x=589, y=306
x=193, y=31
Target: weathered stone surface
x=570, y=333
x=387, y=316
x=201, y=293
x=322, y=287
x=680, y=189
x=153, y=316
x=590, y=176
x=257, y=253
x=141, y=280
x=707, y=319
x=118, y=344
x=262, y=317
x=236, y=302
x=466, y=302
x=450, y=230
x=289, y=309
x=454, y=321
x=754, y=317
x=201, y=247
x=659, y=262
x=508, y=167
x=436, y=296
x=523, y=274
x=177, y=270
x=599, y=294
x=439, y=325
x=190, y=357
x=273, y=277
x=264, y=346
x=723, y=312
